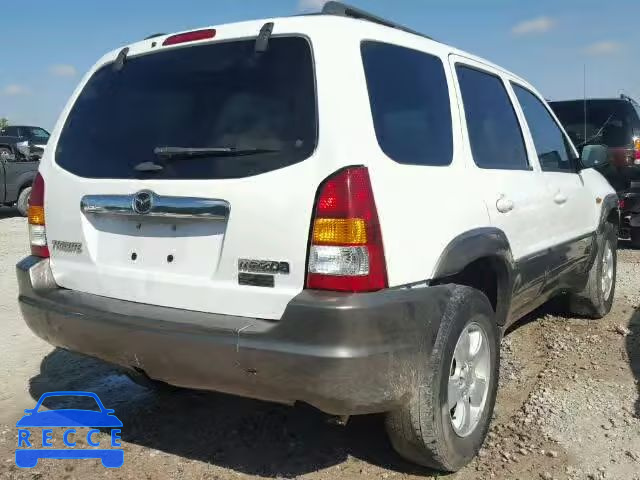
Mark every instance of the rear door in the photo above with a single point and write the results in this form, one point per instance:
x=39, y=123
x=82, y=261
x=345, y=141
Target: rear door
x=222, y=231
x=513, y=189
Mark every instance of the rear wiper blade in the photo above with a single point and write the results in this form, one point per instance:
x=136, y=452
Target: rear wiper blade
x=166, y=154
x=598, y=133
x=191, y=152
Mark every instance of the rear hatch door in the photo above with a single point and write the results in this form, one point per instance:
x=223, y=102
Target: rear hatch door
x=188, y=177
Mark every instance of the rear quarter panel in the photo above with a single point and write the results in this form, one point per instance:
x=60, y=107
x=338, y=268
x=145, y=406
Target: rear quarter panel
x=421, y=208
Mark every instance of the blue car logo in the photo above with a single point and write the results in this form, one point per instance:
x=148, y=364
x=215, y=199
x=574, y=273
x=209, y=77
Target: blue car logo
x=28, y=453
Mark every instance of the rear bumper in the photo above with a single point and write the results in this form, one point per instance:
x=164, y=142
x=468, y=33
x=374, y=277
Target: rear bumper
x=344, y=354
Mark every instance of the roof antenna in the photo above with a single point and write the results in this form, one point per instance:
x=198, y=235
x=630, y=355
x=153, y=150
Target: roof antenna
x=120, y=59
x=262, y=42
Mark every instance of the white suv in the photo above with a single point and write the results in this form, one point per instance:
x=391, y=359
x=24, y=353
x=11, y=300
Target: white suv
x=329, y=209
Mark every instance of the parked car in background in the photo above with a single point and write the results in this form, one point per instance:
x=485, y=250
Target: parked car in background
x=613, y=122
x=19, y=159
x=278, y=217
x=30, y=140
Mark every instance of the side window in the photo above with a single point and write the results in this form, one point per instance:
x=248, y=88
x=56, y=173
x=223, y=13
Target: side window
x=494, y=131
x=11, y=132
x=410, y=106
x=554, y=151
x=37, y=135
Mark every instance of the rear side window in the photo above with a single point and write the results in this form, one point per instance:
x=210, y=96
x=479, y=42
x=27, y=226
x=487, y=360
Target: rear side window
x=220, y=95
x=410, y=105
x=552, y=147
x=494, y=132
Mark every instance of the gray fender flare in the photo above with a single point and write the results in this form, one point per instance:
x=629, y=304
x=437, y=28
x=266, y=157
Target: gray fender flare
x=476, y=244
x=24, y=180
x=609, y=204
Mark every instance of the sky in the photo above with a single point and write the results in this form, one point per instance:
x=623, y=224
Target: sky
x=46, y=47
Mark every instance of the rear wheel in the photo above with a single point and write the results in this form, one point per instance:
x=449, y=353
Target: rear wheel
x=635, y=237
x=23, y=201
x=445, y=422
x=596, y=299
x=5, y=153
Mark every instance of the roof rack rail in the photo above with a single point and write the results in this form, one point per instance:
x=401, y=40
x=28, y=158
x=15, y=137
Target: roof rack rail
x=154, y=36
x=628, y=98
x=344, y=10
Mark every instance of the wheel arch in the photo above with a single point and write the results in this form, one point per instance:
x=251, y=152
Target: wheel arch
x=482, y=259
x=25, y=180
x=610, y=212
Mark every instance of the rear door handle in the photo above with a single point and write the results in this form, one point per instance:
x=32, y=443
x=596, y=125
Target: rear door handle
x=504, y=205
x=560, y=198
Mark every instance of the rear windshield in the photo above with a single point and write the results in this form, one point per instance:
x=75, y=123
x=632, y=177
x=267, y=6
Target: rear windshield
x=608, y=122
x=210, y=96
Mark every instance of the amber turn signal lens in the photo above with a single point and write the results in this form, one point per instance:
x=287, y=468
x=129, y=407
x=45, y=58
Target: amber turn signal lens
x=339, y=231
x=36, y=215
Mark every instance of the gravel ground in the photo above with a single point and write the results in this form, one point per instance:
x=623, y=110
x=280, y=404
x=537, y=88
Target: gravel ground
x=568, y=406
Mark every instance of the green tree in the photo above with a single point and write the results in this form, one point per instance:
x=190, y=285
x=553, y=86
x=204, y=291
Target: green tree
x=4, y=122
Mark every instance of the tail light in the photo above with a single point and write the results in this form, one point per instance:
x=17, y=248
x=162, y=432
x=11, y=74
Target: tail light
x=636, y=148
x=346, y=252
x=37, y=229
x=622, y=203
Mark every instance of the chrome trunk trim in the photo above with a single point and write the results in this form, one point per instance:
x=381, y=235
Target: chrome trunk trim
x=155, y=206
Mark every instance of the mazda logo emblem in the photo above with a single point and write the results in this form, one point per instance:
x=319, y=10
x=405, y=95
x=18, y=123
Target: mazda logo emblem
x=142, y=202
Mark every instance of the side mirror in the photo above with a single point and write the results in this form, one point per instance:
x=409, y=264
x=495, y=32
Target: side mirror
x=594, y=156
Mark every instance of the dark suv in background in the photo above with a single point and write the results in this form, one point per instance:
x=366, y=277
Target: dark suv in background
x=21, y=148
x=36, y=137
x=616, y=123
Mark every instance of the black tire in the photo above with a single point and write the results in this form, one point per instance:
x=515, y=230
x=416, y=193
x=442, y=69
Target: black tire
x=635, y=237
x=23, y=201
x=592, y=302
x=421, y=430
x=4, y=151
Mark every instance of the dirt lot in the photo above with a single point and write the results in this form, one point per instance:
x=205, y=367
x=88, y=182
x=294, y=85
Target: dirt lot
x=569, y=406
